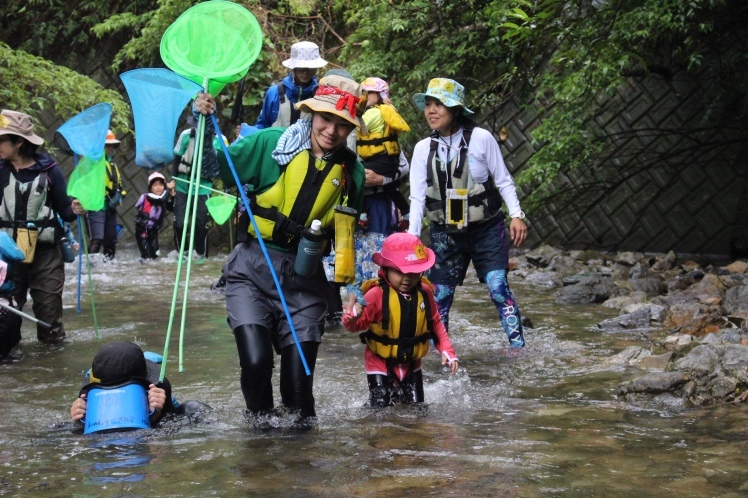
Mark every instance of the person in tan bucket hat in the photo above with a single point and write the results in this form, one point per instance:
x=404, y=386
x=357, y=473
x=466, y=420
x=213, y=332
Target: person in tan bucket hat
x=37, y=230
x=292, y=177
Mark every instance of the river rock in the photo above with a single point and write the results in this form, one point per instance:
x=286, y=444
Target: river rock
x=628, y=258
x=631, y=356
x=703, y=325
x=655, y=383
x=700, y=360
x=541, y=256
x=620, y=302
x=737, y=267
x=677, y=341
x=544, y=279
x=587, y=290
x=636, y=320
x=656, y=362
x=652, y=286
x=736, y=300
x=683, y=282
x=665, y=263
x=657, y=313
x=562, y=263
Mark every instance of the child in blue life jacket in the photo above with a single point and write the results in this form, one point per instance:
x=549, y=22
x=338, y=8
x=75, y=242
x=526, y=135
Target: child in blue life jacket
x=400, y=320
x=152, y=207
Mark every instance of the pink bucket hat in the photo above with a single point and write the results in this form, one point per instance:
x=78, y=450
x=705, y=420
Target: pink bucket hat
x=372, y=84
x=404, y=252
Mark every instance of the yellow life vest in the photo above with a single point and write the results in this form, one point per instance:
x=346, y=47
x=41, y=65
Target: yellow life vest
x=307, y=189
x=376, y=143
x=407, y=326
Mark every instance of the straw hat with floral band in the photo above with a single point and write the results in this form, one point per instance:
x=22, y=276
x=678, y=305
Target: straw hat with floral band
x=447, y=91
x=111, y=138
x=335, y=95
x=404, y=252
x=119, y=363
x=304, y=54
x=19, y=124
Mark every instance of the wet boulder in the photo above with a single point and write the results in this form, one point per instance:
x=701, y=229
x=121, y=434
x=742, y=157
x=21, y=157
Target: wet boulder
x=736, y=300
x=652, y=286
x=637, y=320
x=588, y=289
x=655, y=383
x=542, y=256
x=544, y=279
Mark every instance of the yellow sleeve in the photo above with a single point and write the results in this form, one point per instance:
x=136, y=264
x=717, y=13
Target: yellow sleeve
x=373, y=120
x=393, y=118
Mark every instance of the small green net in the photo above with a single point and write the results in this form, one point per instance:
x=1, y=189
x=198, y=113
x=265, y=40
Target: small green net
x=86, y=183
x=220, y=207
x=216, y=40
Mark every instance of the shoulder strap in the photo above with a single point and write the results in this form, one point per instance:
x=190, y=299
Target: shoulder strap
x=467, y=132
x=385, y=304
x=282, y=92
x=433, y=146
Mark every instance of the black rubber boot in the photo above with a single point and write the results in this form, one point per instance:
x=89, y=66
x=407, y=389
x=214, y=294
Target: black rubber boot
x=256, y=359
x=296, y=386
x=379, y=391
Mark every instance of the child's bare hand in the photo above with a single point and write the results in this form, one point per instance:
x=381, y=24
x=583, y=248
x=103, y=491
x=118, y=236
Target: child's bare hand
x=78, y=409
x=454, y=366
x=156, y=397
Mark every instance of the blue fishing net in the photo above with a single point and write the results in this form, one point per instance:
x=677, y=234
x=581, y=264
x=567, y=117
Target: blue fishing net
x=85, y=134
x=157, y=97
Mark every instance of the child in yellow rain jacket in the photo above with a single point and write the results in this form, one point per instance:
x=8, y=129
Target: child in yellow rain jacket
x=378, y=145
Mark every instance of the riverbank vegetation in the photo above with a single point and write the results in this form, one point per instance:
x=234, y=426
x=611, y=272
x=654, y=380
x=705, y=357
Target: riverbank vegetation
x=562, y=58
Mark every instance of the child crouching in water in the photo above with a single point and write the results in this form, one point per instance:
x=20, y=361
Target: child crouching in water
x=400, y=320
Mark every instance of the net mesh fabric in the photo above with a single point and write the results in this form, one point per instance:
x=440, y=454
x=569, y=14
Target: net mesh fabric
x=217, y=40
x=157, y=97
x=85, y=135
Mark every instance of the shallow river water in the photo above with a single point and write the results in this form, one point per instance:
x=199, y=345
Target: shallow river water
x=544, y=421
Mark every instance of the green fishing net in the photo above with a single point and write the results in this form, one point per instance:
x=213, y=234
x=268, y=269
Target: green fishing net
x=220, y=207
x=87, y=181
x=216, y=40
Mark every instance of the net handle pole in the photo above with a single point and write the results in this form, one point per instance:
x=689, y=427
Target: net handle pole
x=188, y=206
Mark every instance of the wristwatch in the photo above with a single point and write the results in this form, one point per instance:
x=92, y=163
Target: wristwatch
x=520, y=215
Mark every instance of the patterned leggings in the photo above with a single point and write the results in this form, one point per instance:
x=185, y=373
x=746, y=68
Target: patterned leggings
x=501, y=295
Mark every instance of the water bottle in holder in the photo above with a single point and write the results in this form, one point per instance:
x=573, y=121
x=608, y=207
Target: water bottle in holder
x=310, y=250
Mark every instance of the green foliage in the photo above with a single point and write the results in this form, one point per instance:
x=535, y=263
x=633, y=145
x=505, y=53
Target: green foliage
x=32, y=84
x=560, y=58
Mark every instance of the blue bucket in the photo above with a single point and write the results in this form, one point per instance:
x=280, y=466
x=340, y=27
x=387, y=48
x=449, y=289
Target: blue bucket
x=116, y=408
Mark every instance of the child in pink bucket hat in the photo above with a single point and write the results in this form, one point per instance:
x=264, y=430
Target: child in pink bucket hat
x=400, y=320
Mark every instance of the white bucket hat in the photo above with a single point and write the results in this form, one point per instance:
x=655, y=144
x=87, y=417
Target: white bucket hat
x=304, y=54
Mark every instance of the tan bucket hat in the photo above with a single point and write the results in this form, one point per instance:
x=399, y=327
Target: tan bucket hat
x=18, y=123
x=337, y=95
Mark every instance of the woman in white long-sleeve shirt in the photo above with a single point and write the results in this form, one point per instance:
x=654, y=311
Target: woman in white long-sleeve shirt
x=458, y=180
